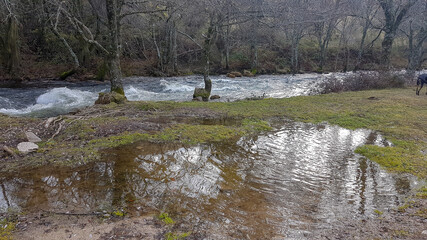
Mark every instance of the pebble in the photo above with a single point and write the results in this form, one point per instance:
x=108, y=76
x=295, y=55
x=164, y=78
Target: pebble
x=424, y=232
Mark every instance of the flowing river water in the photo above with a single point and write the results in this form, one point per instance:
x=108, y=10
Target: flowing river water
x=42, y=100
x=294, y=182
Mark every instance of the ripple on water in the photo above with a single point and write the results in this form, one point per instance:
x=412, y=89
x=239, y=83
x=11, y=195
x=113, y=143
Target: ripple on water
x=291, y=183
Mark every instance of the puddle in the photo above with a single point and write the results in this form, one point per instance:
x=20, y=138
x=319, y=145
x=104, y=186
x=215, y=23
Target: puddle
x=290, y=183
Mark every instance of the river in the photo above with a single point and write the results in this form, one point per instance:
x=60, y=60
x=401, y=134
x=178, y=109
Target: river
x=54, y=98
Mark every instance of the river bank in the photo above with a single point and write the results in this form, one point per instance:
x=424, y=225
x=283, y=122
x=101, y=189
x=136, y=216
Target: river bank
x=81, y=138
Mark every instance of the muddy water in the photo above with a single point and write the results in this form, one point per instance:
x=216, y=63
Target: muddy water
x=295, y=182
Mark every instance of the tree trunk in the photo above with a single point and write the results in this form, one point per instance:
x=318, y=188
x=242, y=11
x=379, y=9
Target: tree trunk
x=387, y=45
x=207, y=52
x=115, y=73
x=362, y=45
x=174, y=51
x=416, y=50
x=113, y=58
x=393, y=18
x=12, y=47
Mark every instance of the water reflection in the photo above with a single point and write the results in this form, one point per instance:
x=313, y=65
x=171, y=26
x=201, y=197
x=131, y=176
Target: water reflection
x=290, y=183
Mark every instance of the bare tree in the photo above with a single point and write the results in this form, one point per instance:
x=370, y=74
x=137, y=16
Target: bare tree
x=394, y=13
x=416, y=31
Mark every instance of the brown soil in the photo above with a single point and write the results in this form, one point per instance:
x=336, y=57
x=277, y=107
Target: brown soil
x=54, y=227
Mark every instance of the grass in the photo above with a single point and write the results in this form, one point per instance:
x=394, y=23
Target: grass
x=6, y=229
x=398, y=114
x=164, y=217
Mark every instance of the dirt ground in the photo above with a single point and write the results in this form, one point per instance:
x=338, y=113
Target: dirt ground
x=54, y=227
x=394, y=224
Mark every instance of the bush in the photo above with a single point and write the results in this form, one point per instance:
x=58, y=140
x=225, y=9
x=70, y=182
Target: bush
x=364, y=81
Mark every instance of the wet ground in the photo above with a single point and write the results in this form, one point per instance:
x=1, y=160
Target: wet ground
x=299, y=181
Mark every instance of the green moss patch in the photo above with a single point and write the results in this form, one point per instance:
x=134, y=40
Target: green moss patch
x=192, y=134
x=6, y=229
x=405, y=156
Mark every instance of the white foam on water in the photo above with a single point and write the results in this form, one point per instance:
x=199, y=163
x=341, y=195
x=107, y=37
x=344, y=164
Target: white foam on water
x=57, y=100
x=134, y=93
x=175, y=87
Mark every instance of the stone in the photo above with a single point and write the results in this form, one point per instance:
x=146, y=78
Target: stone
x=32, y=137
x=231, y=75
x=107, y=98
x=424, y=232
x=213, y=97
x=198, y=99
x=27, y=147
x=247, y=73
x=237, y=74
x=201, y=92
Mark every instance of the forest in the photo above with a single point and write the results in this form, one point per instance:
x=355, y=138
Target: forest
x=100, y=39
x=213, y=119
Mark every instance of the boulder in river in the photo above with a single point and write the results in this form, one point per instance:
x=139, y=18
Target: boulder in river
x=214, y=97
x=247, y=73
x=107, y=98
x=230, y=75
x=237, y=74
x=201, y=92
x=32, y=137
x=27, y=147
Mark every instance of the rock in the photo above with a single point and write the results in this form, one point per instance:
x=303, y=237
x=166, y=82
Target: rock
x=237, y=74
x=247, y=73
x=231, y=75
x=27, y=147
x=424, y=232
x=201, y=92
x=213, y=97
x=9, y=151
x=107, y=98
x=198, y=99
x=32, y=137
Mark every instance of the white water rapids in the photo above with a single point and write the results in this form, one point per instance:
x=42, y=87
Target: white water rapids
x=61, y=98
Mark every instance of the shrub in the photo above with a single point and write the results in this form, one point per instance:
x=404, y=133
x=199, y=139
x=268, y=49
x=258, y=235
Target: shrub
x=364, y=81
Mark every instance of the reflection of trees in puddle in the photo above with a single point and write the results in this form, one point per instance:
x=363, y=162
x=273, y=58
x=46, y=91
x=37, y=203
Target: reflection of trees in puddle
x=288, y=183
x=313, y=179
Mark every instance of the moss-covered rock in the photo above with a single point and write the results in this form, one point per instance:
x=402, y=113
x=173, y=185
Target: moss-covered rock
x=67, y=74
x=112, y=97
x=247, y=73
x=201, y=92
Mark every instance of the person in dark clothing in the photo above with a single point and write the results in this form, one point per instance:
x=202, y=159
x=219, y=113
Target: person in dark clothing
x=420, y=81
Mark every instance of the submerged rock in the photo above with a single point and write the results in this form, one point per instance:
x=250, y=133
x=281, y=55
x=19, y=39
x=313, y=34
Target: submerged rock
x=27, y=147
x=107, y=98
x=32, y=137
